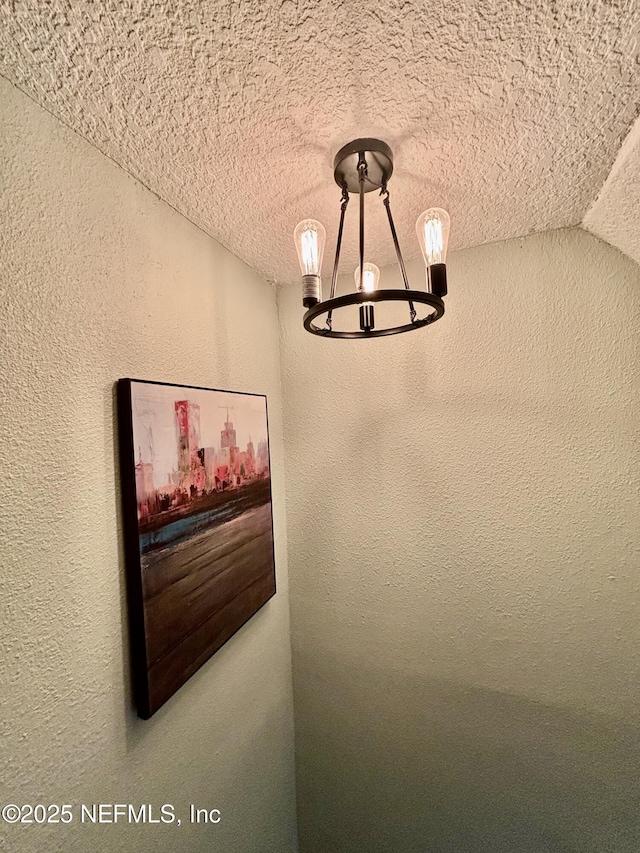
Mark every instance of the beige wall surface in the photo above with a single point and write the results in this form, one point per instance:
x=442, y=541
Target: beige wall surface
x=99, y=279
x=464, y=547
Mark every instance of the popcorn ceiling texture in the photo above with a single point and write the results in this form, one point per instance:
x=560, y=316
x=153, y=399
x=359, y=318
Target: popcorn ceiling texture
x=509, y=114
x=464, y=544
x=100, y=279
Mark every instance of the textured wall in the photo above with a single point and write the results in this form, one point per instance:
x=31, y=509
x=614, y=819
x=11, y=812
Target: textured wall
x=508, y=114
x=100, y=279
x=464, y=543
x=615, y=216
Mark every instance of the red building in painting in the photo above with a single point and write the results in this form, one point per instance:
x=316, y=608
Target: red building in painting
x=191, y=469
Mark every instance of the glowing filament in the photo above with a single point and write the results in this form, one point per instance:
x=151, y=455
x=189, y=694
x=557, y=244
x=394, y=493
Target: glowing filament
x=432, y=229
x=370, y=278
x=433, y=240
x=310, y=252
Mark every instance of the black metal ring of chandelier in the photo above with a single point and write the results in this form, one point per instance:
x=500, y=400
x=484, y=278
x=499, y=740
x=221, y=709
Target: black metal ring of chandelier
x=357, y=298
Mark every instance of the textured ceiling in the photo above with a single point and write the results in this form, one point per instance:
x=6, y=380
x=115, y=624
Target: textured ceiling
x=509, y=114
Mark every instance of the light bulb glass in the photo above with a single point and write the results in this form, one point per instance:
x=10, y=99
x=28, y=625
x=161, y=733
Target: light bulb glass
x=432, y=229
x=310, y=237
x=370, y=278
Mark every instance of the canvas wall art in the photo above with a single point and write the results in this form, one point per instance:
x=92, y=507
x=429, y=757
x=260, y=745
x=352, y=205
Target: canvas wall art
x=196, y=484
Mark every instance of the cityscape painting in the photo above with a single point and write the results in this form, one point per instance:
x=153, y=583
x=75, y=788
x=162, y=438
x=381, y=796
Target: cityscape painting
x=196, y=485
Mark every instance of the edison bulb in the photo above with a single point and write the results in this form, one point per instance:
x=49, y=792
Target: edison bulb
x=309, y=237
x=432, y=229
x=369, y=283
x=370, y=278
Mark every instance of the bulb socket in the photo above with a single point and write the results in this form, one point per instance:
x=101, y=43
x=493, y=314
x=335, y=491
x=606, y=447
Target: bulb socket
x=366, y=317
x=438, y=280
x=311, y=290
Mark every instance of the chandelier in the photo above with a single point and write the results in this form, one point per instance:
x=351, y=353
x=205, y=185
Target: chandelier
x=363, y=166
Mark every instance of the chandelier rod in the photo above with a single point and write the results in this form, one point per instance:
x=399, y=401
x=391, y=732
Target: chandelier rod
x=387, y=204
x=336, y=262
x=362, y=176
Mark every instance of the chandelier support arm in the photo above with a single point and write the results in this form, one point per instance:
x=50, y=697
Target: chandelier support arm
x=336, y=262
x=362, y=176
x=367, y=320
x=343, y=209
x=387, y=205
